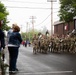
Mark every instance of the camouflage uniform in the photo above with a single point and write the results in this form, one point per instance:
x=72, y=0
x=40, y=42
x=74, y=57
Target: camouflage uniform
x=35, y=44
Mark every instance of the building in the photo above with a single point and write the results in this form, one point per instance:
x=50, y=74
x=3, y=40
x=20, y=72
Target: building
x=61, y=27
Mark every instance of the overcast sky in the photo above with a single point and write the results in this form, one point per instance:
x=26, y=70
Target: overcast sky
x=20, y=12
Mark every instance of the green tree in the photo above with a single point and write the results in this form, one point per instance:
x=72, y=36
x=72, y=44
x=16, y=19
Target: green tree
x=3, y=16
x=28, y=35
x=67, y=10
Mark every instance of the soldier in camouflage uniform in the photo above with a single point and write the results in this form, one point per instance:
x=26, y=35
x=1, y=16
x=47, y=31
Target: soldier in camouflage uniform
x=43, y=44
x=35, y=43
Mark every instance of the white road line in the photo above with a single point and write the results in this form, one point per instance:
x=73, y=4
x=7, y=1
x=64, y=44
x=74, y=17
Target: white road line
x=52, y=72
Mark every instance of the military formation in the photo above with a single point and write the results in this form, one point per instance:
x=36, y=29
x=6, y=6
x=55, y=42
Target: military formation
x=46, y=43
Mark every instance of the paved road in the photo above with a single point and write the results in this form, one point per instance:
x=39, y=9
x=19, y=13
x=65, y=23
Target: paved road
x=45, y=64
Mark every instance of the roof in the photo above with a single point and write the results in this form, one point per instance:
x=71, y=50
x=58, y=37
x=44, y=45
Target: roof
x=58, y=22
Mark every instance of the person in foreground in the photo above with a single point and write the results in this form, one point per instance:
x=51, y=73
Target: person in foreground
x=13, y=48
x=2, y=42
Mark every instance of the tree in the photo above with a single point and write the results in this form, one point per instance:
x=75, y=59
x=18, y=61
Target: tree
x=67, y=10
x=29, y=35
x=3, y=16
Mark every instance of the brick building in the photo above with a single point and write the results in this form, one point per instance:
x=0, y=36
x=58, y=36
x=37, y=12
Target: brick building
x=63, y=28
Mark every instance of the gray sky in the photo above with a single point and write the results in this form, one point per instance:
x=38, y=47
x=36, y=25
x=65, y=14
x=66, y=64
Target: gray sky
x=20, y=12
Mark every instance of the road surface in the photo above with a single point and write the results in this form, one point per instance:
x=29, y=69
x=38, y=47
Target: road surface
x=45, y=64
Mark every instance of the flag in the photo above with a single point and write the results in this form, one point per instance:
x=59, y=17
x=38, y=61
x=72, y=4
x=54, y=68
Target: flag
x=66, y=27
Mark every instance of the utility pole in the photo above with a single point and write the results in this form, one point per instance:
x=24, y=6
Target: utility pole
x=51, y=17
x=33, y=21
x=26, y=29
x=21, y=29
x=29, y=32
x=51, y=14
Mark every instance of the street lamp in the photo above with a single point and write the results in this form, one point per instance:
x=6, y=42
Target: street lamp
x=51, y=14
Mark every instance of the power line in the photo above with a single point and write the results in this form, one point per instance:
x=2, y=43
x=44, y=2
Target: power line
x=26, y=7
x=41, y=25
x=45, y=24
x=44, y=20
x=26, y=2
x=29, y=7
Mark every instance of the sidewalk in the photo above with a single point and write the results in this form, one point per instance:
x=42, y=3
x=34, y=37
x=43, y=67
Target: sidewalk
x=6, y=69
x=0, y=62
x=0, y=71
x=5, y=62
